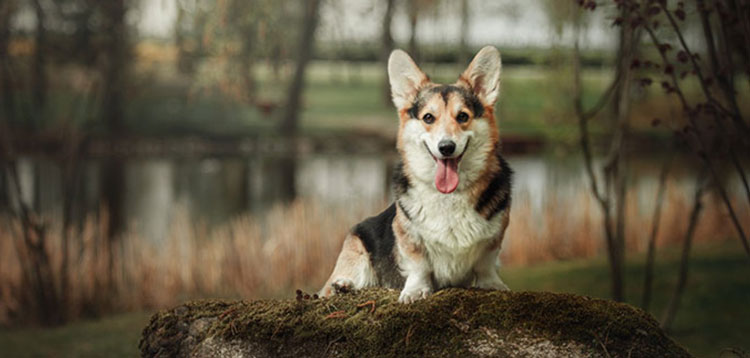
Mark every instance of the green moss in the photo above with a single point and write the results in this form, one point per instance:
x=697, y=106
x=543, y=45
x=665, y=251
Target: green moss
x=440, y=323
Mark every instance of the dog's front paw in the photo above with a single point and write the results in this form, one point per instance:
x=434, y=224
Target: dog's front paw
x=493, y=283
x=342, y=285
x=414, y=294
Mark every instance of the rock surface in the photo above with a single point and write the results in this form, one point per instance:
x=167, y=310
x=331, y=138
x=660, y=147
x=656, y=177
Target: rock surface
x=450, y=323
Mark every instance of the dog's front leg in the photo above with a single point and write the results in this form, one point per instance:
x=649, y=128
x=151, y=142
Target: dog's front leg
x=413, y=264
x=418, y=283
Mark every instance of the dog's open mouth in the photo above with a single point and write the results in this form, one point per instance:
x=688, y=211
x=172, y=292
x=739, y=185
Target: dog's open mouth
x=446, y=175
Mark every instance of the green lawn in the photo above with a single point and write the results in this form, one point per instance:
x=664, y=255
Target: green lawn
x=715, y=313
x=534, y=101
x=715, y=310
x=115, y=336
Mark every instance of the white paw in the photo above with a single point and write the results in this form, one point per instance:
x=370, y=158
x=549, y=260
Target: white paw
x=491, y=283
x=414, y=294
x=342, y=285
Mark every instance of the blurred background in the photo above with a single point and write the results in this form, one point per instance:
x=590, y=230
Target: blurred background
x=156, y=151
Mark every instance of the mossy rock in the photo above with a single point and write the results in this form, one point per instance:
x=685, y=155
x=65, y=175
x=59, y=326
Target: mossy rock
x=450, y=323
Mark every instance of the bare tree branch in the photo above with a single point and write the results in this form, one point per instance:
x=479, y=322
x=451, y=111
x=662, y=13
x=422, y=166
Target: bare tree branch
x=674, y=302
x=651, y=251
x=702, y=151
x=614, y=180
x=694, y=62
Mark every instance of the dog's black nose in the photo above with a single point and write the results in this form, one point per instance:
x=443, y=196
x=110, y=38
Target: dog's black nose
x=446, y=147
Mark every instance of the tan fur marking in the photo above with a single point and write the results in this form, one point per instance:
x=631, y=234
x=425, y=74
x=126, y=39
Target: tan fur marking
x=463, y=81
x=352, y=254
x=498, y=242
x=413, y=250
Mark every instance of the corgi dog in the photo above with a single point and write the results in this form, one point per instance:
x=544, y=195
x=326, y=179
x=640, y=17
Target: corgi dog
x=451, y=189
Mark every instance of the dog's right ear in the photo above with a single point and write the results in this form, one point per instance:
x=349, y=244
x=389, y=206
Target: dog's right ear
x=405, y=77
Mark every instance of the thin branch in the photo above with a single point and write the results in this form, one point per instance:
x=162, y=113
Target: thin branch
x=603, y=100
x=743, y=178
x=745, y=23
x=702, y=148
x=694, y=62
x=674, y=302
x=725, y=198
x=673, y=76
x=650, y=255
x=613, y=231
x=583, y=123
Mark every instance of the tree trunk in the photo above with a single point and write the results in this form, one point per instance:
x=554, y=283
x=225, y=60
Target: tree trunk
x=386, y=39
x=246, y=62
x=71, y=174
x=413, y=20
x=463, y=46
x=7, y=10
x=115, y=67
x=615, y=171
x=611, y=196
x=113, y=181
x=38, y=72
x=185, y=64
x=113, y=173
x=290, y=121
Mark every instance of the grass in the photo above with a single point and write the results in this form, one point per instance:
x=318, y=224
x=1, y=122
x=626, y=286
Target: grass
x=714, y=314
x=535, y=101
x=115, y=336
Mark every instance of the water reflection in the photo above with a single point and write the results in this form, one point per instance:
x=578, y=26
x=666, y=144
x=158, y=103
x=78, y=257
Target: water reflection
x=214, y=190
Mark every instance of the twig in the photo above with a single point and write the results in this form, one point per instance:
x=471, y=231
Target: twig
x=702, y=148
x=604, y=348
x=409, y=333
x=368, y=303
x=674, y=302
x=696, y=67
x=337, y=314
x=649, y=270
x=330, y=344
x=227, y=312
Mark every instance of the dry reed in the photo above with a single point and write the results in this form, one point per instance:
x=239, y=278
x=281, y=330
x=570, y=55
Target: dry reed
x=295, y=246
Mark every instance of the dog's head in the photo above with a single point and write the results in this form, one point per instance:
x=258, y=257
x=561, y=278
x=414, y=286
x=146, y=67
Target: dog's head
x=446, y=132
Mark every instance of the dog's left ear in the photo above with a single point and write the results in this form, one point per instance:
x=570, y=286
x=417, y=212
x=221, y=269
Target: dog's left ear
x=483, y=75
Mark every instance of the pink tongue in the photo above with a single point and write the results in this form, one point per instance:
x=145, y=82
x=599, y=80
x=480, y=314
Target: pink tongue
x=446, y=177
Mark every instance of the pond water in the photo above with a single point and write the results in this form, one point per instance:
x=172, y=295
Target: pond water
x=213, y=190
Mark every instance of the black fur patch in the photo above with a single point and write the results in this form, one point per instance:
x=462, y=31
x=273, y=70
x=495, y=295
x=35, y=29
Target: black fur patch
x=415, y=108
x=401, y=182
x=496, y=197
x=377, y=235
x=471, y=100
x=403, y=210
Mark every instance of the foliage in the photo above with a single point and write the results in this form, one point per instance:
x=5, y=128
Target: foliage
x=716, y=126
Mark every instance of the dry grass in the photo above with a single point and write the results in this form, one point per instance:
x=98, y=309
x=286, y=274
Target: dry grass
x=571, y=229
x=295, y=246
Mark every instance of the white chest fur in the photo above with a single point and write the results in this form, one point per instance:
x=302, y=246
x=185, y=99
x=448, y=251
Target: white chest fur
x=452, y=232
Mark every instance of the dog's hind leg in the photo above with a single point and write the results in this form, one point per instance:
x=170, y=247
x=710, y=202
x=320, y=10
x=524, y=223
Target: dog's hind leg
x=353, y=269
x=486, y=268
x=486, y=272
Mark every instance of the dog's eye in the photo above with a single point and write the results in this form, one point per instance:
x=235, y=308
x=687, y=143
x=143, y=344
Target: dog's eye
x=462, y=117
x=428, y=118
